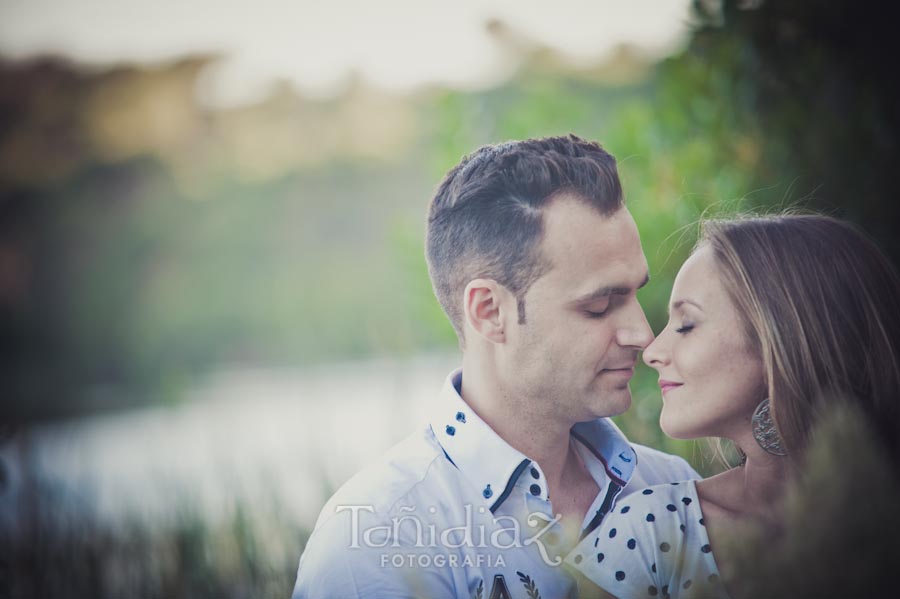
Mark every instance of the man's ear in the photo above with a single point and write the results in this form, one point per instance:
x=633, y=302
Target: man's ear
x=485, y=308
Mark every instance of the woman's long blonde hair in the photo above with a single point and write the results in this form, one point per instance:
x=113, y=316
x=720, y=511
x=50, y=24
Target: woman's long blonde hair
x=821, y=305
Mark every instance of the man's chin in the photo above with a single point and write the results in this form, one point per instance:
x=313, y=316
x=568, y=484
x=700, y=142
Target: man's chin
x=625, y=406
x=613, y=403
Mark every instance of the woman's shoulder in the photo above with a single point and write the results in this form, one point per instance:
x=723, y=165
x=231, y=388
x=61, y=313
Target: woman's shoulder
x=653, y=540
x=671, y=500
x=656, y=493
x=660, y=514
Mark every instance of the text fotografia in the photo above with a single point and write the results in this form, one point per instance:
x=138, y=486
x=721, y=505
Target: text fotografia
x=425, y=560
x=505, y=533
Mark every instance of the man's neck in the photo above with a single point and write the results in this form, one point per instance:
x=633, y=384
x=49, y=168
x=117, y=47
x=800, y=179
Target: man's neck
x=539, y=434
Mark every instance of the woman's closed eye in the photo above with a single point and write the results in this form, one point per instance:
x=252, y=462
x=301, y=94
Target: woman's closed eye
x=685, y=328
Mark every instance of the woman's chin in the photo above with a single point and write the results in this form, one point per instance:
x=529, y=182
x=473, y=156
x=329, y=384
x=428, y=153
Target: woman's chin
x=679, y=431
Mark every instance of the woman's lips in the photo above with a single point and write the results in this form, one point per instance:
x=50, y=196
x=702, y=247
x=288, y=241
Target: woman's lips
x=666, y=386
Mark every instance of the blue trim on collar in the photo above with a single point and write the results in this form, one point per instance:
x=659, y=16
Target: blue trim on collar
x=607, y=443
x=512, y=483
x=613, y=490
x=447, y=455
x=616, y=478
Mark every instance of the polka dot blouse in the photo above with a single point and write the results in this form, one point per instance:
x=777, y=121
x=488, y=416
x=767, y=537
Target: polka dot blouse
x=653, y=544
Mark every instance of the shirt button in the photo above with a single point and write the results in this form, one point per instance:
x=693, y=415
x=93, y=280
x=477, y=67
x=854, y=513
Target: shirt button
x=535, y=490
x=535, y=473
x=450, y=430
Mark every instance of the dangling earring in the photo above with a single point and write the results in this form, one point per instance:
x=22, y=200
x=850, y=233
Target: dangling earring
x=764, y=430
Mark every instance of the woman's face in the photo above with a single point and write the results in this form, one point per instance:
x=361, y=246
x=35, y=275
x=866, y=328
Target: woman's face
x=711, y=380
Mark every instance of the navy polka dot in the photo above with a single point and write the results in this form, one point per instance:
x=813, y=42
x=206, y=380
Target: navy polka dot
x=535, y=490
x=460, y=417
x=650, y=518
x=597, y=540
x=652, y=591
x=653, y=567
x=702, y=523
x=686, y=501
x=632, y=543
x=713, y=578
x=620, y=576
x=612, y=533
x=664, y=547
x=487, y=492
x=578, y=559
x=665, y=589
x=535, y=473
x=600, y=557
x=625, y=510
x=450, y=430
x=671, y=507
x=674, y=484
x=686, y=585
x=706, y=549
x=647, y=491
x=681, y=527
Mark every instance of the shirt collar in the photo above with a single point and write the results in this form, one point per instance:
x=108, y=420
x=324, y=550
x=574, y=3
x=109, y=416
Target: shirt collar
x=604, y=439
x=493, y=465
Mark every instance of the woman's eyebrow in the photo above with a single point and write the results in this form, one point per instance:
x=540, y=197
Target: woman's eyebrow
x=681, y=302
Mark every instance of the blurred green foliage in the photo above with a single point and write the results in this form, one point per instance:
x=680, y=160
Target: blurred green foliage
x=57, y=551
x=146, y=239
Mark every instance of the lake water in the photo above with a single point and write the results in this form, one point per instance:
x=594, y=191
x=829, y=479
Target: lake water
x=272, y=439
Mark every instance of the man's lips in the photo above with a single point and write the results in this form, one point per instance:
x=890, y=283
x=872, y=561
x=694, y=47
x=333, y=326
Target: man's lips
x=623, y=370
x=666, y=386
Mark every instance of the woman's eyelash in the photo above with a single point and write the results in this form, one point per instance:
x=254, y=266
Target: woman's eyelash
x=591, y=314
x=684, y=328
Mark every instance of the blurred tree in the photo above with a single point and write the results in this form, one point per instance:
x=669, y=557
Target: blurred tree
x=807, y=99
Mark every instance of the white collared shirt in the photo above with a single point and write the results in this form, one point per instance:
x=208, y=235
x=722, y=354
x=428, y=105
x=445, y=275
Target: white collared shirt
x=455, y=511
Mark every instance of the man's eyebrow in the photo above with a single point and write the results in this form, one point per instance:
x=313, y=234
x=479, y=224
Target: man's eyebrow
x=609, y=290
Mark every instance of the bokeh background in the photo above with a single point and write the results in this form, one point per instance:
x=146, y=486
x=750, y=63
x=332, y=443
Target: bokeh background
x=214, y=306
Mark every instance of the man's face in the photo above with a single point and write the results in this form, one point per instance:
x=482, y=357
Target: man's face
x=573, y=357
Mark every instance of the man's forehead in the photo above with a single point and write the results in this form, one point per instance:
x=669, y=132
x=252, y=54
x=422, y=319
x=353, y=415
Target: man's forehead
x=573, y=227
x=587, y=252
x=580, y=281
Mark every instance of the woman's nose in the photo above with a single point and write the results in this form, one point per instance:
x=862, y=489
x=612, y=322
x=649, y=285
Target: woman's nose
x=655, y=354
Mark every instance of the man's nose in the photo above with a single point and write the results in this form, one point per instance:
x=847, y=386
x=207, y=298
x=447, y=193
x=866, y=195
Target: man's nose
x=634, y=330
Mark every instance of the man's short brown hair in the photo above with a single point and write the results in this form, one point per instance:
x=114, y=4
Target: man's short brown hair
x=485, y=221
